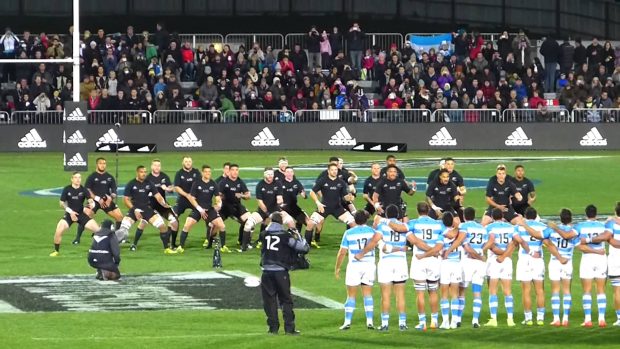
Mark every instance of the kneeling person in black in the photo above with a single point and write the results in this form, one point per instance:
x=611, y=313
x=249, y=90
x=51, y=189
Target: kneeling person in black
x=202, y=195
x=333, y=190
x=72, y=200
x=269, y=196
x=278, y=249
x=104, y=253
x=441, y=195
x=137, y=199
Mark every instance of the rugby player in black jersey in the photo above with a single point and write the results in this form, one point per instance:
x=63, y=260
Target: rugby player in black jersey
x=233, y=190
x=183, y=181
x=499, y=194
x=441, y=195
x=137, y=198
x=333, y=191
x=388, y=192
x=202, y=195
x=72, y=200
x=163, y=184
x=370, y=185
x=102, y=189
x=292, y=188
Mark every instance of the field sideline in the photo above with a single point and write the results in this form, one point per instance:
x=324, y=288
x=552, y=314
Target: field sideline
x=563, y=179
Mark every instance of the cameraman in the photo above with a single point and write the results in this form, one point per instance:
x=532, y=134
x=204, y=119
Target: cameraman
x=104, y=253
x=277, y=257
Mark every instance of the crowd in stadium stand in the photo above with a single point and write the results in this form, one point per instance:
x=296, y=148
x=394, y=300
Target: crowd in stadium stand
x=144, y=71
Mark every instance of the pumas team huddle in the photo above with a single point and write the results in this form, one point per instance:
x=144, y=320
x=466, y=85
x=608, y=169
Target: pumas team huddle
x=451, y=251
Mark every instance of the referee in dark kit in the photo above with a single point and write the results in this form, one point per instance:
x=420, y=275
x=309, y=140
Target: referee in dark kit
x=104, y=253
x=277, y=257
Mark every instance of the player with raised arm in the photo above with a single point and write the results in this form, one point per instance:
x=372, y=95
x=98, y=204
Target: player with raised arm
x=389, y=190
x=441, y=195
x=333, y=191
x=202, y=195
x=593, y=265
x=269, y=196
x=232, y=190
x=390, y=160
x=164, y=185
x=499, y=194
x=565, y=238
x=500, y=265
x=102, y=189
x=137, y=198
x=425, y=264
x=183, y=181
x=525, y=187
x=531, y=235
x=291, y=189
x=612, y=227
x=451, y=271
x=477, y=243
x=370, y=185
x=360, y=269
x=72, y=200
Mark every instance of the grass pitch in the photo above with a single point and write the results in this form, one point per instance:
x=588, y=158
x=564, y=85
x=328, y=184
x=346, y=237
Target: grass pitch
x=563, y=179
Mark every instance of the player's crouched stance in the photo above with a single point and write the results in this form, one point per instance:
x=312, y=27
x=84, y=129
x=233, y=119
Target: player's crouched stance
x=360, y=270
x=104, y=253
x=72, y=200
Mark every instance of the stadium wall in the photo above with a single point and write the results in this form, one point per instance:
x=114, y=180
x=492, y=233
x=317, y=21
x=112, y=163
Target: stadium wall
x=318, y=136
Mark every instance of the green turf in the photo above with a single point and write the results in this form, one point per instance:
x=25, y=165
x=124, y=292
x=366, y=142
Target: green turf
x=28, y=224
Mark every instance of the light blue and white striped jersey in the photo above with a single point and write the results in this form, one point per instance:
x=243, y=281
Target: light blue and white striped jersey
x=591, y=229
x=613, y=226
x=477, y=236
x=355, y=239
x=447, y=243
x=534, y=244
x=427, y=229
x=565, y=247
x=394, y=239
x=502, y=233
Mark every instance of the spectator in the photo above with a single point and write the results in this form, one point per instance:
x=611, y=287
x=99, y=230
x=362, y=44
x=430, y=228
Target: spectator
x=93, y=100
x=42, y=102
x=480, y=62
x=609, y=57
x=536, y=101
x=461, y=45
x=208, y=93
x=313, y=44
x=504, y=45
x=550, y=50
x=326, y=50
x=594, y=53
x=567, y=55
x=393, y=102
x=335, y=41
x=521, y=48
x=581, y=55
x=189, y=65
x=355, y=44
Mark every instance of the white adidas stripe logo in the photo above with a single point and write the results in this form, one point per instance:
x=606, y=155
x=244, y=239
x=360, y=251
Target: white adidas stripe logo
x=265, y=139
x=593, y=138
x=342, y=137
x=75, y=138
x=442, y=137
x=518, y=137
x=32, y=139
x=76, y=160
x=76, y=115
x=110, y=137
x=187, y=139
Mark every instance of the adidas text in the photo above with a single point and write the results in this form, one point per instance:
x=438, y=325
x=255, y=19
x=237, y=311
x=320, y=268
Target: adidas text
x=518, y=138
x=265, y=139
x=593, y=139
x=442, y=137
x=76, y=138
x=342, y=137
x=188, y=139
x=32, y=139
x=76, y=160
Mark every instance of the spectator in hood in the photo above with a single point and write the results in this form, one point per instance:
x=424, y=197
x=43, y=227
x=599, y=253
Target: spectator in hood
x=393, y=102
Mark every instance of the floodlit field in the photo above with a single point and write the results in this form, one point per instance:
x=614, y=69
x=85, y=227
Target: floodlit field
x=185, y=305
